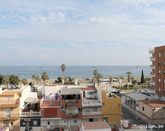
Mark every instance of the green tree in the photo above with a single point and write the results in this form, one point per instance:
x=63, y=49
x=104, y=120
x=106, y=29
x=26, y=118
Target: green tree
x=98, y=77
x=44, y=77
x=24, y=81
x=13, y=79
x=142, y=77
x=6, y=81
x=148, y=79
x=95, y=72
x=37, y=78
x=1, y=79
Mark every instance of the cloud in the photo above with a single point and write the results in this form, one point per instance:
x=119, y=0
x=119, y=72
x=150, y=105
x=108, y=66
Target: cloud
x=75, y=32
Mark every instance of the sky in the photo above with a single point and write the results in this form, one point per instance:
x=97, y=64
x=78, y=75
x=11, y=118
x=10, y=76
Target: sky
x=80, y=32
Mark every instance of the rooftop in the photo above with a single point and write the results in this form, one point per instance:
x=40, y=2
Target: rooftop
x=96, y=125
x=137, y=96
x=70, y=91
x=155, y=103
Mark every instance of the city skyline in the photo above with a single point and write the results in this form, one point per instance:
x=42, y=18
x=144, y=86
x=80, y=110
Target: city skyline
x=75, y=32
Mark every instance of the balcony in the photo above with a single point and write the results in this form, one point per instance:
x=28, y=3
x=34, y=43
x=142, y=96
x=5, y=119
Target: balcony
x=9, y=116
x=71, y=103
x=86, y=114
x=152, y=58
x=151, y=51
x=30, y=114
x=9, y=103
x=71, y=115
x=153, y=67
x=153, y=75
x=91, y=103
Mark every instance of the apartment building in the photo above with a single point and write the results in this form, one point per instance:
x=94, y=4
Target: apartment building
x=158, y=69
x=30, y=116
x=91, y=104
x=61, y=110
x=111, y=110
x=66, y=108
x=9, y=108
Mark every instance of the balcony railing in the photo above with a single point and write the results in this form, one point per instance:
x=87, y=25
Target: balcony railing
x=152, y=58
x=91, y=113
x=153, y=67
x=8, y=103
x=151, y=51
x=87, y=102
x=9, y=116
x=70, y=115
x=153, y=75
x=29, y=114
x=71, y=103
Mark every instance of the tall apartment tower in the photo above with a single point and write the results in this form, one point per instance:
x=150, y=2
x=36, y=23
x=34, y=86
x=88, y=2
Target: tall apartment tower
x=158, y=69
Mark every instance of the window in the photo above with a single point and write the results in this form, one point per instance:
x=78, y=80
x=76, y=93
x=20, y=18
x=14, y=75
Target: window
x=159, y=54
x=94, y=109
x=35, y=123
x=83, y=93
x=74, y=121
x=91, y=120
x=159, y=80
x=159, y=71
x=143, y=108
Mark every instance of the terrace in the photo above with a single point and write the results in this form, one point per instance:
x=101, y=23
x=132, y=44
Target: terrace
x=31, y=108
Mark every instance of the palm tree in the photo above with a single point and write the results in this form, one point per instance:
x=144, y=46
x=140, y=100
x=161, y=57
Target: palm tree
x=95, y=72
x=44, y=77
x=37, y=78
x=63, y=67
x=6, y=81
x=24, y=81
x=110, y=79
x=98, y=77
x=128, y=76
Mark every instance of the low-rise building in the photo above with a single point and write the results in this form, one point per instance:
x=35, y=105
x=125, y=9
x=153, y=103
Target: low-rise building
x=9, y=108
x=153, y=109
x=132, y=99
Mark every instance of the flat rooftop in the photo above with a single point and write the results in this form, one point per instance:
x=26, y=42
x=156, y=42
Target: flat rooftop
x=95, y=125
x=155, y=103
x=137, y=96
x=70, y=91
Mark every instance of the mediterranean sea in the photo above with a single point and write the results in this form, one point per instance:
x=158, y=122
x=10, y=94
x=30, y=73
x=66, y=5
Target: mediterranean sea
x=73, y=71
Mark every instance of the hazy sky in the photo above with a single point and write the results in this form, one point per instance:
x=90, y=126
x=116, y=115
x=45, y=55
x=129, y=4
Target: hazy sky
x=80, y=32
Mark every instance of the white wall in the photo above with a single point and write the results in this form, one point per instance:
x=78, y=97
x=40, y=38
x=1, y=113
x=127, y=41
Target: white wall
x=26, y=92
